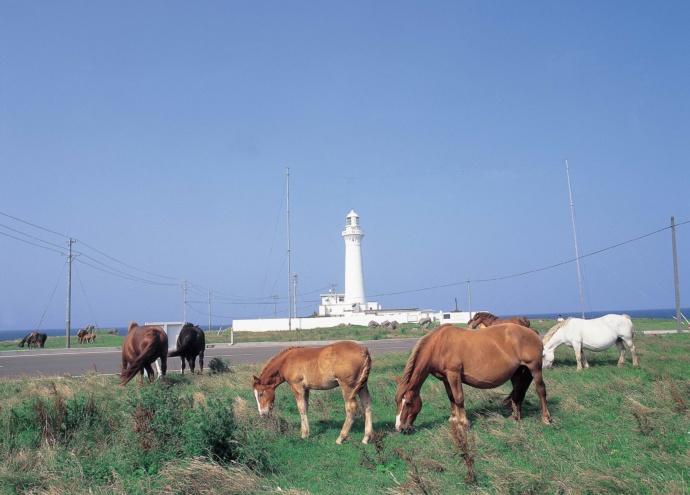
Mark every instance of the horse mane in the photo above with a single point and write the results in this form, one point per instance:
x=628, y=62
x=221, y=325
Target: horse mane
x=488, y=316
x=555, y=329
x=270, y=369
x=412, y=361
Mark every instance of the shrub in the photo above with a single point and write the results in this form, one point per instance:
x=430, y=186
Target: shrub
x=218, y=365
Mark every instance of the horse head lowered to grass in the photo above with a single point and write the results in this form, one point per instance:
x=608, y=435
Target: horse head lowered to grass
x=485, y=359
x=597, y=334
x=484, y=319
x=140, y=349
x=343, y=363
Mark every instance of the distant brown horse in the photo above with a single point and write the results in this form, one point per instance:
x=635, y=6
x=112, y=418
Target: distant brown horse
x=343, y=363
x=34, y=339
x=28, y=339
x=484, y=319
x=89, y=337
x=485, y=359
x=191, y=342
x=140, y=349
x=80, y=335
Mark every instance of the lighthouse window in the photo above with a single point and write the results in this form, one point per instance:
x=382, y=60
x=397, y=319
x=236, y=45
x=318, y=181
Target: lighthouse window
x=349, y=221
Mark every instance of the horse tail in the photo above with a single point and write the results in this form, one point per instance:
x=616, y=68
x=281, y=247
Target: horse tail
x=148, y=355
x=364, y=373
x=185, y=347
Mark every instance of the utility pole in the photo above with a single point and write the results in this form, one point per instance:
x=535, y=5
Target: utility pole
x=675, y=277
x=275, y=308
x=289, y=269
x=469, y=298
x=69, y=293
x=184, y=297
x=209, y=311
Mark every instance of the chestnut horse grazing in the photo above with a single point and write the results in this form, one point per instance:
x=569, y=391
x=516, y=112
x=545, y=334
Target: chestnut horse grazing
x=597, y=334
x=343, y=363
x=140, y=349
x=484, y=319
x=191, y=342
x=485, y=359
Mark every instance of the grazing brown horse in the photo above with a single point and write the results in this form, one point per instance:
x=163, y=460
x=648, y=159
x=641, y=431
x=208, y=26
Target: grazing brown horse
x=140, y=349
x=28, y=339
x=484, y=360
x=191, y=342
x=343, y=363
x=484, y=319
x=89, y=337
x=34, y=339
x=80, y=335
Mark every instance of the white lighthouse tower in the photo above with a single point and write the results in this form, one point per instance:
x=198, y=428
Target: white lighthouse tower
x=354, y=275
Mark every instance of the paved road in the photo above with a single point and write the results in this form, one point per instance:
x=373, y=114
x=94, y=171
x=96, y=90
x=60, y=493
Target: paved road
x=106, y=360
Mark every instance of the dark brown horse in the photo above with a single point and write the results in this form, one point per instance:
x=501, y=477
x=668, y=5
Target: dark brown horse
x=484, y=360
x=28, y=339
x=140, y=349
x=484, y=319
x=343, y=363
x=34, y=339
x=191, y=342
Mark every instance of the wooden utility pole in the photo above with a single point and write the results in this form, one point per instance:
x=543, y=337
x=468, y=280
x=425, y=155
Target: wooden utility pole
x=69, y=293
x=679, y=315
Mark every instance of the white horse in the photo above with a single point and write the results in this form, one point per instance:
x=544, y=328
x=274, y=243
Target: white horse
x=597, y=334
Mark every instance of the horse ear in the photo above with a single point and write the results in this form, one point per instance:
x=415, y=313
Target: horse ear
x=398, y=379
x=256, y=380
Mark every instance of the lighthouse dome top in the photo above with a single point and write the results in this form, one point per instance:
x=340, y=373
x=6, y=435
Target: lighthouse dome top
x=352, y=218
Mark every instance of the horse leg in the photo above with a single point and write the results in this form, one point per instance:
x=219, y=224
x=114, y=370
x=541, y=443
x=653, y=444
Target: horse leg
x=577, y=347
x=453, y=385
x=183, y=364
x=201, y=362
x=633, y=350
x=365, y=399
x=163, y=368
x=621, y=351
x=302, y=398
x=149, y=371
x=585, y=363
x=520, y=380
x=350, y=410
x=192, y=364
x=541, y=391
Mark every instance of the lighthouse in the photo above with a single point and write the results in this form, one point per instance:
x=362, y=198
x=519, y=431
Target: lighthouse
x=354, y=275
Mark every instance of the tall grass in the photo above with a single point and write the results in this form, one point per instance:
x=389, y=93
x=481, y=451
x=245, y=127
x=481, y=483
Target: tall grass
x=615, y=430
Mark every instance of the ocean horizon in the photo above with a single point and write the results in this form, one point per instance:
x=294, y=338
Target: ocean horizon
x=663, y=314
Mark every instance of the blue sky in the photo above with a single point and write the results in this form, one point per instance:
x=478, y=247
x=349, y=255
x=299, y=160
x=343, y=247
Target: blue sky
x=158, y=135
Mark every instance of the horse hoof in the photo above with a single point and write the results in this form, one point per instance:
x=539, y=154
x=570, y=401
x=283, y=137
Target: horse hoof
x=339, y=441
x=365, y=441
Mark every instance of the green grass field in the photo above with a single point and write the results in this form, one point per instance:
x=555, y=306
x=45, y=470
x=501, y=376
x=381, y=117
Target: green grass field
x=615, y=430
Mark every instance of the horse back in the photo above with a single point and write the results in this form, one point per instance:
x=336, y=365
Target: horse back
x=343, y=362
x=506, y=344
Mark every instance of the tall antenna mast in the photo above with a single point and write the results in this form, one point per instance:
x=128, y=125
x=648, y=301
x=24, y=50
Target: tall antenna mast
x=577, y=252
x=289, y=270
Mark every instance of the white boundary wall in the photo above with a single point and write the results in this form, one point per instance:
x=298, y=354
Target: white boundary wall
x=363, y=319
